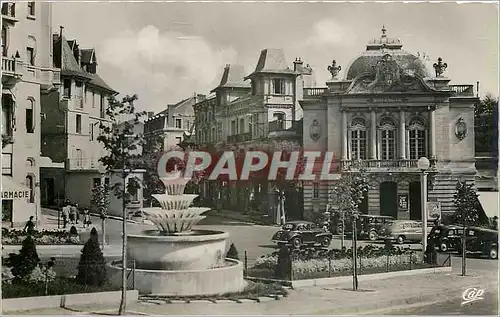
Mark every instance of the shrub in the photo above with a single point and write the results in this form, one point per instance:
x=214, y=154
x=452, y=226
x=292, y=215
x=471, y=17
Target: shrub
x=14, y=236
x=42, y=275
x=73, y=231
x=284, y=264
x=92, y=266
x=22, y=264
x=232, y=253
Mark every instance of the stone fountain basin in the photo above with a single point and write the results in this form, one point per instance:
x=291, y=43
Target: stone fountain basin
x=195, y=250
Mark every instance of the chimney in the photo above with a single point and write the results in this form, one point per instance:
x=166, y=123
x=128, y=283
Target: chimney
x=477, y=89
x=297, y=65
x=150, y=114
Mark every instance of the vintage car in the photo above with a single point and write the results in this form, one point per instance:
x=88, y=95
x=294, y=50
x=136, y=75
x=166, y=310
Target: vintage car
x=372, y=227
x=446, y=237
x=482, y=241
x=405, y=231
x=298, y=233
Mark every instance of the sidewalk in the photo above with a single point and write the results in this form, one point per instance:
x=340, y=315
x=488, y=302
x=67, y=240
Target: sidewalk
x=239, y=216
x=334, y=300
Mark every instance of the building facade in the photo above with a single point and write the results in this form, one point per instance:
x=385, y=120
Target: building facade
x=173, y=125
x=390, y=109
x=248, y=111
x=28, y=76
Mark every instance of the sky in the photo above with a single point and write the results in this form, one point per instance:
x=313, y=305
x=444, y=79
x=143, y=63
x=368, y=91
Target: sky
x=166, y=52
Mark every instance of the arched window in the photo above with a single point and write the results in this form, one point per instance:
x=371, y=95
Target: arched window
x=358, y=139
x=79, y=158
x=387, y=136
x=30, y=161
x=279, y=120
x=417, y=139
x=30, y=118
x=31, y=185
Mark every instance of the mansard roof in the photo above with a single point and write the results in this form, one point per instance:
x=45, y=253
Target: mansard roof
x=232, y=77
x=272, y=61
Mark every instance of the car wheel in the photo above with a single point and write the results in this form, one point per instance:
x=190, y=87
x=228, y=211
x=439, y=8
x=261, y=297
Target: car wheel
x=325, y=242
x=400, y=240
x=493, y=254
x=373, y=236
x=443, y=247
x=339, y=229
x=296, y=242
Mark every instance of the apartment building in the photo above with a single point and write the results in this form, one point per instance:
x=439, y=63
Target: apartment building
x=71, y=127
x=173, y=125
x=247, y=111
x=28, y=76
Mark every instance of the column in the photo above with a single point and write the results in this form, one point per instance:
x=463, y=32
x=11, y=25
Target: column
x=432, y=133
x=344, y=135
x=402, y=135
x=373, y=135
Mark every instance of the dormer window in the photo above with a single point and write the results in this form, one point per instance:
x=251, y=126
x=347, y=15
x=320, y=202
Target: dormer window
x=278, y=86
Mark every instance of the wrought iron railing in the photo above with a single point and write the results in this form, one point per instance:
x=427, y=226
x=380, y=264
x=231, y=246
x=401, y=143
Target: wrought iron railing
x=282, y=125
x=370, y=164
x=242, y=137
x=314, y=92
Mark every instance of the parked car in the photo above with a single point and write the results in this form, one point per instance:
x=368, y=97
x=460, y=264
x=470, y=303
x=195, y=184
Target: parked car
x=482, y=241
x=446, y=237
x=372, y=227
x=405, y=231
x=298, y=233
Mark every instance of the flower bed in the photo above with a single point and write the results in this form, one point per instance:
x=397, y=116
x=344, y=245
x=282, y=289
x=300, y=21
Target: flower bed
x=308, y=264
x=59, y=286
x=44, y=237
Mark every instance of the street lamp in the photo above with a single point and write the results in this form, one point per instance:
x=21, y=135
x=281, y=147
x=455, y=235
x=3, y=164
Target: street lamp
x=423, y=164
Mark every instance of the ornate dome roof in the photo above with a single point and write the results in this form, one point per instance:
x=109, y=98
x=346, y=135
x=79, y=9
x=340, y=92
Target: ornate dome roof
x=376, y=49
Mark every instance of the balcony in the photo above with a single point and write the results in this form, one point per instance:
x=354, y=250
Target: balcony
x=401, y=165
x=83, y=164
x=242, y=137
x=9, y=12
x=462, y=90
x=283, y=128
x=314, y=92
x=11, y=71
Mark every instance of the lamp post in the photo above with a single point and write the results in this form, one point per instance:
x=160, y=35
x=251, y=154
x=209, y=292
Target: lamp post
x=48, y=266
x=423, y=164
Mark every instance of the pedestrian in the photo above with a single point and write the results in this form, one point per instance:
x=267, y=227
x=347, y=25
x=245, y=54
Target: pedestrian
x=65, y=214
x=86, y=218
x=72, y=214
x=77, y=214
x=29, y=228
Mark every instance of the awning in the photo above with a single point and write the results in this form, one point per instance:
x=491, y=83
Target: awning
x=489, y=202
x=12, y=190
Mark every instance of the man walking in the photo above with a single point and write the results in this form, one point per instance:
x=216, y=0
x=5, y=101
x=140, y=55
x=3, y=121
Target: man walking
x=65, y=214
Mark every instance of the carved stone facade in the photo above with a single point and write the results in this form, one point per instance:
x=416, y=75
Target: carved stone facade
x=390, y=109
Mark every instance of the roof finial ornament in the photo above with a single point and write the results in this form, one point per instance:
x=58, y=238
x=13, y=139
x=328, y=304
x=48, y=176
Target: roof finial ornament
x=383, y=31
x=440, y=67
x=334, y=69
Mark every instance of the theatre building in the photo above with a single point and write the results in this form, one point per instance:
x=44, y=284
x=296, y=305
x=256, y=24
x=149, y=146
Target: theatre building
x=391, y=108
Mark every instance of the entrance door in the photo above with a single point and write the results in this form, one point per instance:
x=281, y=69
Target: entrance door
x=389, y=199
x=49, y=191
x=363, y=206
x=415, y=201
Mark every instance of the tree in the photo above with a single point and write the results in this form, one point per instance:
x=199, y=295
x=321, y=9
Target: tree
x=25, y=262
x=486, y=126
x=468, y=213
x=101, y=199
x=347, y=195
x=120, y=140
x=92, y=266
x=232, y=253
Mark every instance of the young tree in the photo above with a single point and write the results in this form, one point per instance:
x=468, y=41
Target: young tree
x=101, y=199
x=468, y=212
x=232, y=253
x=120, y=141
x=347, y=195
x=92, y=266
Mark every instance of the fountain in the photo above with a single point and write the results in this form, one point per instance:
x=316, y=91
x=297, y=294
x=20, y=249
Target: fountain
x=177, y=259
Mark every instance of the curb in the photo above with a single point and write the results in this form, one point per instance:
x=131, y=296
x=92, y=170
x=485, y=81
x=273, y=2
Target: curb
x=161, y=300
x=116, y=218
